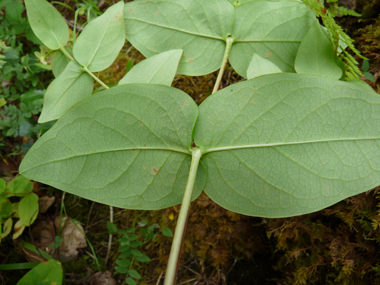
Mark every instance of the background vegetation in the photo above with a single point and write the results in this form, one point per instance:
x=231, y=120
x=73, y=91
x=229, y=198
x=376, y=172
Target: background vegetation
x=338, y=245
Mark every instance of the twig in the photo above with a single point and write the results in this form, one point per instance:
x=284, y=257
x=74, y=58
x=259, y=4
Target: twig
x=159, y=278
x=188, y=281
x=89, y=214
x=110, y=236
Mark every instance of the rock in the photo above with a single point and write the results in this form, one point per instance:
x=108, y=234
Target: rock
x=102, y=278
x=72, y=237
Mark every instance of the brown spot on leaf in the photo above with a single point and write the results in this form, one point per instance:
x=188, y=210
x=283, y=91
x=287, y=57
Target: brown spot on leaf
x=131, y=11
x=190, y=59
x=133, y=150
x=267, y=54
x=155, y=170
x=157, y=13
x=186, y=102
x=251, y=101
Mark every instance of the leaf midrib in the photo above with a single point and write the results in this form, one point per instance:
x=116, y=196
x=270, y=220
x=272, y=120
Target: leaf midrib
x=226, y=148
x=184, y=151
x=179, y=30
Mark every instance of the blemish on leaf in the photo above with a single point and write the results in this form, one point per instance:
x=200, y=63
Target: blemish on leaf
x=327, y=189
x=190, y=59
x=157, y=13
x=16, y=229
x=186, y=102
x=133, y=150
x=155, y=170
x=131, y=11
x=267, y=54
x=251, y=101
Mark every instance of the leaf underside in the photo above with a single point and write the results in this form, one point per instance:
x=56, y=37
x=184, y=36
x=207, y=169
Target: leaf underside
x=59, y=61
x=71, y=86
x=126, y=147
x=271, y=29
x=101, y=40
x=287, y=144
x=316, y=54
x=158, y=69
x=47, y=23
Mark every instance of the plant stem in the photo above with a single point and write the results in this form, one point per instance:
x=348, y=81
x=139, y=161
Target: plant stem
x=65, y=52
x=110, y=236
x=229, y=43
x=84, y=68
x=97, y=79
x=171, y=271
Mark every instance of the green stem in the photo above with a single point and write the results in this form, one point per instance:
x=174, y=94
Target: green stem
x=229, y=43
x=171, y=271
x=97, y=79
x=84, y=68
x=65, y=52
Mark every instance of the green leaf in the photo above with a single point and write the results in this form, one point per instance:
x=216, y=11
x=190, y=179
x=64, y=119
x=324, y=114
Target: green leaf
x=2, y=185
x=5, y=208
x=49, y=272
x=365, y=65
x=261, y=66
x=18, y=229
x=133, y=237
x=271, y=29
x=6, y=228
x=112, y=228
x=47, y=23
x=135, y=243
x=28, y=209
x=70, y=87
x=130, y=281
x=3, y=102
x=126, y=254
x=20, y=186
x=134, y=274
x=19, y=266
x=33, y=248
x=101, y=40
x=122, y=270
x=123, y=262
x=124, y=248
x=200, y=28
x=288, y=144
x=316, y=54
x=158, y=69
x=369, y=76
x=59, y=61
x=114, y=149
x=142, y=258
x=136, y=252
x=167, y=232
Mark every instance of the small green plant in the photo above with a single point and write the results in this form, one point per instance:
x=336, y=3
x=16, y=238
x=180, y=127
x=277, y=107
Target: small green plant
x=296, y=137
x=365, y=68
x=21, y=93
x=25, y=210
x=130, y=243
